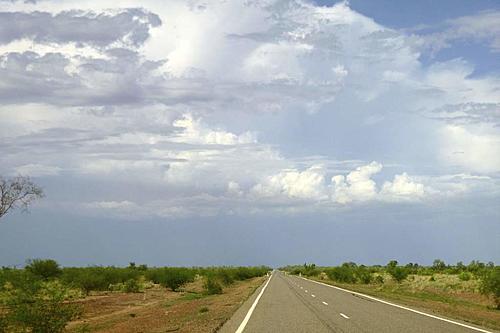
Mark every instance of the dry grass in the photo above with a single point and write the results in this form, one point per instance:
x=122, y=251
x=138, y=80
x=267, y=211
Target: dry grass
x=161, y=310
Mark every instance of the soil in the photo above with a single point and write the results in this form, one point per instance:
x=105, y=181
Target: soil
x=161, y=310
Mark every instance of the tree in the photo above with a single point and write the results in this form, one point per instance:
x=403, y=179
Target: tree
x=44, y=269
x=438, y=265
x=18, y=192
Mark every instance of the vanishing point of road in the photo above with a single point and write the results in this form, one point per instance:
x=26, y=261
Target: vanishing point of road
x=286, y=303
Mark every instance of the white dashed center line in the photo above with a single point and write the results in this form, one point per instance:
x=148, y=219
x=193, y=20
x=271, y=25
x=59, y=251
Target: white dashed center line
x=312, y=295
x=306, y=291
x=343, y=315
x=325, y=303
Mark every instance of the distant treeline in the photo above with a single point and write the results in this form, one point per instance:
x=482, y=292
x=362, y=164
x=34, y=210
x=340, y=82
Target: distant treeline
x=38, y=298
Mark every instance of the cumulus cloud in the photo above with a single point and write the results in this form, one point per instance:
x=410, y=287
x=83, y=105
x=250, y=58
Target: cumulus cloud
x=402, y=187
x=307, y=184
x=357, y=185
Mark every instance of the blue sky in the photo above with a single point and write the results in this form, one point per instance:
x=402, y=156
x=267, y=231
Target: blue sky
x=272, y=132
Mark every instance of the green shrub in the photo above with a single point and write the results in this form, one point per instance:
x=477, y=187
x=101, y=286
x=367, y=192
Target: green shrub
x=490, y=284
x=40, y=308
x=171, y=277
x=464, y=276
x=343, y=274
x=363, y=275
x=44, y=268
x=398, y=273
x=131, y=286
x=212, y=286
x=225, y=275
x=379, y=279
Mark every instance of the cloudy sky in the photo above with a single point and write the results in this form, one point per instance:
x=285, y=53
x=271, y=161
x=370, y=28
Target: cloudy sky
x=252, y=132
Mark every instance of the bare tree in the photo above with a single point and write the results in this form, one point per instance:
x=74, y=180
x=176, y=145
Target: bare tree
x=18, y=192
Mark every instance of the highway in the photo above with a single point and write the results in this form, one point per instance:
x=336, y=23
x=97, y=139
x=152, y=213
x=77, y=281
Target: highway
x=286, y=303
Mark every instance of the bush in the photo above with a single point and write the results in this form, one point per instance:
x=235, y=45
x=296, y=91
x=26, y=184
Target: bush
x=490, y=284
x=131, y=286
x=464, y=276
x=212, y=286
x=171, y=277
x=379, y=279
x=39, y=308
x=343, y=274
x=44, y=269
x=398, y=273
x=363, y=275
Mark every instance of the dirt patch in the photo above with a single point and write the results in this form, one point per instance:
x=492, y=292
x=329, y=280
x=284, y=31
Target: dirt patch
x=161, y=310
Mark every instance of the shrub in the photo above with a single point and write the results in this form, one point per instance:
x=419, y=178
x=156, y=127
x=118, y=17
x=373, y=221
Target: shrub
x=379, y=279
x=363, y=275
x=40, y=308
x=44, y=269
x=212, y=286
x=464, y=276
x=398, y=273
x=343, y=274
x=490, y=284
x=131, y=286
x=171, y=277
x=225, y=276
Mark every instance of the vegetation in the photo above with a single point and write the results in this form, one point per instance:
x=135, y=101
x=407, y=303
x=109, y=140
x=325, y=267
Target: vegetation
x=40, y=298
x=467, y=292
x=490, y=284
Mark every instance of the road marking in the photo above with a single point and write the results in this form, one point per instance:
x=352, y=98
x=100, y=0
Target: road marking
x=325, y=303
x=301, y=288
x=343, y=315
x=249, y=313
x=306, y=291
x=312, y=295
x=401, y=307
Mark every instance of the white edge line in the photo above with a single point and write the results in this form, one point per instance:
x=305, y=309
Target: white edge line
x=343, y=315
x=249, y=313
x=400, y=306
x=325, y=303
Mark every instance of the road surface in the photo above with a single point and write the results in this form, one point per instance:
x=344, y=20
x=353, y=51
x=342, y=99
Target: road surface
x=287, y=303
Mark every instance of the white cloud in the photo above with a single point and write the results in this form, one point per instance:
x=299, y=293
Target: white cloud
x=292, y=183
x=193, y=131
x=476, y=152
x=357, y=185
x=402, y=187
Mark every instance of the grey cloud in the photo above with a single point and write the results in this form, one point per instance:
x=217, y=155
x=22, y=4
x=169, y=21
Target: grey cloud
x=29, y=77
x=130, y=26
x=468, y=113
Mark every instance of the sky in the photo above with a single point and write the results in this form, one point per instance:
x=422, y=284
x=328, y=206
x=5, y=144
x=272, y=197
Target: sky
x=272, y=132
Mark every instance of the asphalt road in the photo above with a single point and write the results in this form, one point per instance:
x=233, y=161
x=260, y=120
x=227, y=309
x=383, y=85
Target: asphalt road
x=293, y=304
